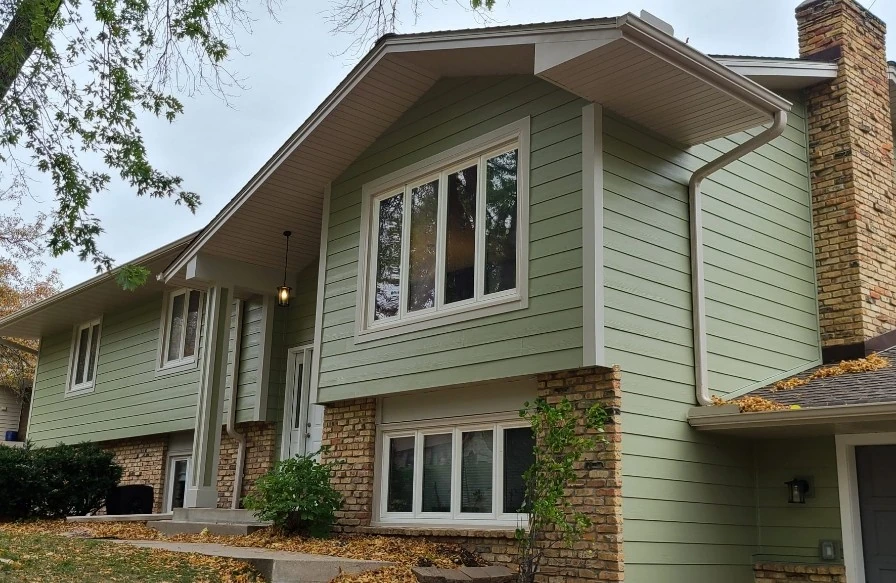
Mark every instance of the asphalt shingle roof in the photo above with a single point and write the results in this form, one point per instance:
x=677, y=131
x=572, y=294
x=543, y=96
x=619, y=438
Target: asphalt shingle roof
x=878, y=386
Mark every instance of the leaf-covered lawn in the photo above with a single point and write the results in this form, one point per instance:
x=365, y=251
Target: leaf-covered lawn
x=45, y=558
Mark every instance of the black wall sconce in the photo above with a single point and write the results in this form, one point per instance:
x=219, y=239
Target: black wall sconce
x=797, y=489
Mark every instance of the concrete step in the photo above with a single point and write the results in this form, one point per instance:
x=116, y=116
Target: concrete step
x=219, y=515
x=184, y=527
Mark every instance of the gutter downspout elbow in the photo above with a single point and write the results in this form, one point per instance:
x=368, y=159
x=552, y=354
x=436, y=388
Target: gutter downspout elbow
x=698, y=293
x=231, y=409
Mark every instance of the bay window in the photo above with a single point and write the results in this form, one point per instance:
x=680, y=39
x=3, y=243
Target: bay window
x=447, y=236
x=456, y=474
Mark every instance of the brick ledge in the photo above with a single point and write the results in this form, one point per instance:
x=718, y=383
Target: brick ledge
x=802, y=568
x=439, y=531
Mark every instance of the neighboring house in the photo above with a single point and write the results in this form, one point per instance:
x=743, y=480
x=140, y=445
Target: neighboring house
x=480, y=217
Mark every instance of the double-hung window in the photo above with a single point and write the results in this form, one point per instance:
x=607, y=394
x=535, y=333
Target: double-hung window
x=447, y=237
x=455, y=474
x=85, y=353
x=181, y=322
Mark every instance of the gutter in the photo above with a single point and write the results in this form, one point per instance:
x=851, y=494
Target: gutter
x=19, y=347
x=695, y=208
x=728, y=418
x=231, y=409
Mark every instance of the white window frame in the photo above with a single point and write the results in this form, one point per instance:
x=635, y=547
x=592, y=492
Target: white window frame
x=515, y=135
x=184, y=363
x=455, y=517
x=173, y=458
x=84, y=387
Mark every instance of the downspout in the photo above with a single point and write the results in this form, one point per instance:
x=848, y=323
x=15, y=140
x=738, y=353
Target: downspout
x=231, y=409
x=698, y=294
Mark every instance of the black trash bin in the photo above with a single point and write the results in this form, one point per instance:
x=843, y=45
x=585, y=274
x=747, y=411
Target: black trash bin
x=131, y=499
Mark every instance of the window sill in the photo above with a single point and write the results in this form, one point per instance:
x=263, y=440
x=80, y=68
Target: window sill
x=465, y=531
x=72, y=393
x=177, y=367
x=461, y=313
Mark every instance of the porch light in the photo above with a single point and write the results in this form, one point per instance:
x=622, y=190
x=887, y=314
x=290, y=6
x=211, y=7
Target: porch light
x=284, y=290
x=797, y=489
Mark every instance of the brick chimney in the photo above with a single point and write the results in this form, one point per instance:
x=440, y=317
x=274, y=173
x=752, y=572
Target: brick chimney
x=851, y=163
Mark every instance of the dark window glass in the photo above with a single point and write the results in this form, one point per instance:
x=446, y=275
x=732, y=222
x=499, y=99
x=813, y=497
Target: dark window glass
x=300, y=375
x=500, y=222
x=422, y=256
x=518, y=457
x=477, y=460
x=400, y=494
x=81, y=361
x=460, y=238
x=179, y=488
x=176, y=331
x=388, y=257
x=437, y=473
x=94, y=348
x=192, y=324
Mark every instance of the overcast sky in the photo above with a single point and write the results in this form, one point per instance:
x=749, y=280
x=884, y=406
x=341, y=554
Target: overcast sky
x=289, y=67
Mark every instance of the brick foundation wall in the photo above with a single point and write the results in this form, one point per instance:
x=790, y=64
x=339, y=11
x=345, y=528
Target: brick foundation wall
x=778, y=573
x=851, y=163
x=350, y=435
x=143, y=460
x=261, y=447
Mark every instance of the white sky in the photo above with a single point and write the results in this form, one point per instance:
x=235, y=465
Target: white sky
x=289, y=67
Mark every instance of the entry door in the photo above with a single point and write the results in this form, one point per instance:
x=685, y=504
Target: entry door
x=178, y=477
x=876, y=468
x=302, y=422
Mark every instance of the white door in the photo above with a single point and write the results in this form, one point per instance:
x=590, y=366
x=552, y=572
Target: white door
x=178, y=478
x=302, y=422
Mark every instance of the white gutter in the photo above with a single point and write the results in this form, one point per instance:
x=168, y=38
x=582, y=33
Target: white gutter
x=728, y=419
x=19, y=347
x=698, y=292
x=231, y=409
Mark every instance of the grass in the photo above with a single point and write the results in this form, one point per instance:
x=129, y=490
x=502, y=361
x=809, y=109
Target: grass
x=46, y=558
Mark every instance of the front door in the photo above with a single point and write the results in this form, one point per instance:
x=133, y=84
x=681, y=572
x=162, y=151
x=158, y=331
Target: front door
x=876, y=469
x=302, y=421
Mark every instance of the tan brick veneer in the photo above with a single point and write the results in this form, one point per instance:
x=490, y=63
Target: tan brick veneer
x=851, y=161
x=261, y=444
x=777, y=572
x=350, y=435
x=143, y=460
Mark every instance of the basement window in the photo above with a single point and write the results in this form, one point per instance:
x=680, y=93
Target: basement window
x=84, y=357
x=446, y=239
x=462, y=474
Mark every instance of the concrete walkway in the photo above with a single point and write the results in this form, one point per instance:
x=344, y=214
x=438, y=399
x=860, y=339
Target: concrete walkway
x=275, y=566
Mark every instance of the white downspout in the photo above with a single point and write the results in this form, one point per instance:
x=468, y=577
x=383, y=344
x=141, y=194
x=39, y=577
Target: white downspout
x=231, y=409
x=698, y=293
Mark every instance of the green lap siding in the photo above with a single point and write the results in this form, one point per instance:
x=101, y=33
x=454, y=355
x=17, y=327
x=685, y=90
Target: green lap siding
x=689, y=499
x=545, y=336
x=250, y=356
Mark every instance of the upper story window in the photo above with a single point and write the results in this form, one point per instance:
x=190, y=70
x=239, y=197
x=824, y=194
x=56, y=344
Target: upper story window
x=180, y=332
x=448, y=237
x=85, y=352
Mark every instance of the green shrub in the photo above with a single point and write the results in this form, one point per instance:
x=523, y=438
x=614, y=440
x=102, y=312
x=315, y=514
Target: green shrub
x=54, y=482
x=297, y=497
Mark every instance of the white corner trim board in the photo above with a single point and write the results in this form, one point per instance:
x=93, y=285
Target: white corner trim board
x=593, y=235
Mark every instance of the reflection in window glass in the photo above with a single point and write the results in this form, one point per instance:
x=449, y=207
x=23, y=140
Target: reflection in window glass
x=400, y=492
x=477, y=458
x=460, y=238
x=179, y=486
x=300, y=375
x=437, y=473
x=176, y=330
x=192, y=324
x=388, y=257
x=422, y=259
x=80, y=365
x=94, y=348
x=500, y=222
x=518, y=457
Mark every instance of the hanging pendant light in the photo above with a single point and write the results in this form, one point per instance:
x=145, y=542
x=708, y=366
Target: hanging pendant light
x=284, y=291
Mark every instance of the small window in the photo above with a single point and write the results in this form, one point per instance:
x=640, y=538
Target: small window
x=446, y=237
x=181, y=327
x=456, y=474
x=85, y=352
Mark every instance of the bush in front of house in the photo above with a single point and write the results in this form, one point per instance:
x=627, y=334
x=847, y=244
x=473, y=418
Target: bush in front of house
x=54, y=482
x=297, y=497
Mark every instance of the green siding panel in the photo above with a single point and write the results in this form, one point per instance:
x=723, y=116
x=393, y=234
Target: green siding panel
x=690, y=499
x=547, y=335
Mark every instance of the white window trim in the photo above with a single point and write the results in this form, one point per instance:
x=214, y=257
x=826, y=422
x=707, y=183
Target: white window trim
x=454, y=426
x=386, y=186
x=183, y=364
x=169, y=473
x=848, y=486
x=86, y=387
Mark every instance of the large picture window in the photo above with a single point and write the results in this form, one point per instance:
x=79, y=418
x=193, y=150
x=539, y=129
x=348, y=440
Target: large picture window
x=85, y=353
x=461, y=473
x=447, y=237
x=181, y=323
